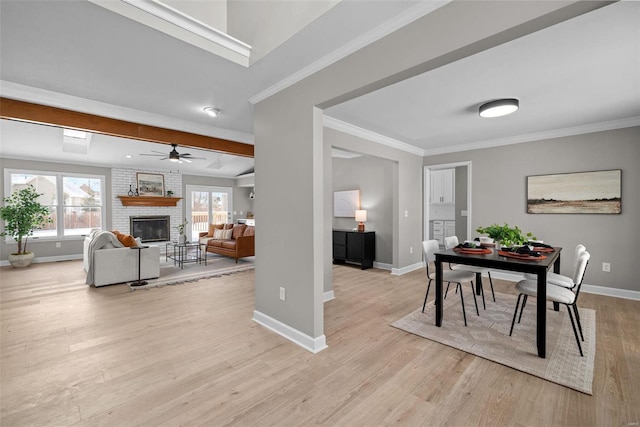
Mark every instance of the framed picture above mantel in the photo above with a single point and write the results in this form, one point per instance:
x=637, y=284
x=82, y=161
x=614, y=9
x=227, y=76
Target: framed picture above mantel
x=597, y=192
x=150, y=184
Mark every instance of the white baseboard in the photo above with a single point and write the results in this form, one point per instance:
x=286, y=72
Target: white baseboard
x=589, y=289
x=610, y=292
x=38, y=260
x=407, y=269
x=314, y=345
x=328, y=296
x=382, y=265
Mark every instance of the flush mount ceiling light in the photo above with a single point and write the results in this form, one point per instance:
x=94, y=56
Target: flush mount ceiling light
x=213, y=112
x=499, y=107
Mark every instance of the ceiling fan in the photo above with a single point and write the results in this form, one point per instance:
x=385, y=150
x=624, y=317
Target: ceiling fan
x=174, y=156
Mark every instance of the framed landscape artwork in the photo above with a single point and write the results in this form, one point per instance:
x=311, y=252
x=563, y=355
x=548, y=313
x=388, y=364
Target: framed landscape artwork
x=345, y=203
x=150, y=184
x=596, y=192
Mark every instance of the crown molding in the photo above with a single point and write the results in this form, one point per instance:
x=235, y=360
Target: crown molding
x=157, y=15
x=350, y=129
x=538, y=136
x=69, y=102
x=382, y=30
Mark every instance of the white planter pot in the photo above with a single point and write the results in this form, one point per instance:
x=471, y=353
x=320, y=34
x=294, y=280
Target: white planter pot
x=21, y=260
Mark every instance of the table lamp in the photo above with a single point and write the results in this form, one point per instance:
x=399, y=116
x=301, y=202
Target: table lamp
x=361, y=217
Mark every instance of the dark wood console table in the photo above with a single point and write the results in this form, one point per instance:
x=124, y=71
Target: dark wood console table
x=354, y=247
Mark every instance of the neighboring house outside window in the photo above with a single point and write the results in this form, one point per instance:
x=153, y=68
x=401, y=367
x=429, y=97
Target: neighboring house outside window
x=75, y=201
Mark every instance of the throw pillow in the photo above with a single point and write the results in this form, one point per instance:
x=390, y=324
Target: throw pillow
x=227, y=234
x=218, y=234
x=126, y=239
x=212, y=228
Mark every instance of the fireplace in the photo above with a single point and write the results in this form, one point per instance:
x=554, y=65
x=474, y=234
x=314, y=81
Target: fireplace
x=151, y=228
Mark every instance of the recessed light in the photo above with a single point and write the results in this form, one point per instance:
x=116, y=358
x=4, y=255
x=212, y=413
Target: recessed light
x=128, y=156
x=499, y=107
x=213, y=112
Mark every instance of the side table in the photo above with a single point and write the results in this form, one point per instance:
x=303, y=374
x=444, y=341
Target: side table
x=139, y=282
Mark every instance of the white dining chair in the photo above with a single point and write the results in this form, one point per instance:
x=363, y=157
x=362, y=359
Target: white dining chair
x=558, y=294
x=451, y=242
x=430, y=247
x=561, y=279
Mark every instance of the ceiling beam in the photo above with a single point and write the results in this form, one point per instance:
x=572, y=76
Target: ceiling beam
x=12, y=109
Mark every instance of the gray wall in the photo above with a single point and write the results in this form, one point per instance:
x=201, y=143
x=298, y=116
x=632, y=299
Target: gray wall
x=69, y=246
x=374, y=178
x=291, y=158
x=499, y=196
x=461, y=202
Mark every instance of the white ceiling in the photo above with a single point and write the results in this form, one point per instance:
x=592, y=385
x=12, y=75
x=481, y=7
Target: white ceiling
x=581, y=72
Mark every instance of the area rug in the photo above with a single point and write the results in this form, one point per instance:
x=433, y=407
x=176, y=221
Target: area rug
x=487, y=336
x=217, y=266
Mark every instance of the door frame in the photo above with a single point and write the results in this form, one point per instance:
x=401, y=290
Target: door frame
x=210, y=189
x=427, y=190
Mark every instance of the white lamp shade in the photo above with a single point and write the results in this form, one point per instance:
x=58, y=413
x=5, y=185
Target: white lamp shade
x=361, y=215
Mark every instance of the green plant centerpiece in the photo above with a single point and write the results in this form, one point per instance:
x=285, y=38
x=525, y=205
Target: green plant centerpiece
x=22, y=214
x=505, y=235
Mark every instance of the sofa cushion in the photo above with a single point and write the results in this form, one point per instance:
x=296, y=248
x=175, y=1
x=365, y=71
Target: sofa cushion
x=215, y=243
x=250, y=231
x=204, y=240
x=229, y=244
x=238, y=230
x=228, y=226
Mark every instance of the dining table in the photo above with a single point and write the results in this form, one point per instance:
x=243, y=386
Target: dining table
x=494, y=260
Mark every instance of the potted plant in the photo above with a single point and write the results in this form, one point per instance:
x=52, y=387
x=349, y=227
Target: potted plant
x=22, y=213
x=181, y=228
x=505, y=235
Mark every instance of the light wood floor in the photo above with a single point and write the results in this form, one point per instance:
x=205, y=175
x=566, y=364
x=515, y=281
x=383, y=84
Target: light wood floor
x=191, y=355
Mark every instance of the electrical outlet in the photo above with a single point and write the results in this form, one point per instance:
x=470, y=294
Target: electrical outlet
x=606, y=267
x=58, y=244
x=410, y=249
x=281, y=293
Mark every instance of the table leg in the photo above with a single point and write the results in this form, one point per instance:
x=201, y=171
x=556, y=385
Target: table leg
x=478, y=283
x=556, y=269
x=439, y=301
x=541, y=303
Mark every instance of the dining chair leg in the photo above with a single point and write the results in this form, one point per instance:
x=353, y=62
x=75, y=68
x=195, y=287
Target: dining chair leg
x=464, y=313
x=475, y=300
x=524, y=302
x=575, y=311
x=515, y=313
x=493, y=294
x=484, y=306
x=575, y=332
x=424, y=304
x=447, y=290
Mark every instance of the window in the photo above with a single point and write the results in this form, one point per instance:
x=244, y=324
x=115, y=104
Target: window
x=74, y=201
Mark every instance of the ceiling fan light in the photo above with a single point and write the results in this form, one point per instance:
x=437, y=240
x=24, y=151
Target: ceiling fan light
x=174, y=159
x=213, y=112
x=499, y=107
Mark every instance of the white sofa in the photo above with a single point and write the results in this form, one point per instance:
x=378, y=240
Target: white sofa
x=119, y=265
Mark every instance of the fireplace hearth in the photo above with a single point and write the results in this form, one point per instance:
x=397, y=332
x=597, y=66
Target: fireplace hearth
x=151, y=228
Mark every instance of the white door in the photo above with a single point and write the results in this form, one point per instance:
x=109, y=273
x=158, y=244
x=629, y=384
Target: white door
x=207, y=205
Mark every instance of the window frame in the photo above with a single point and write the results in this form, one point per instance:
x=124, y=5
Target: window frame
x=59, y=206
